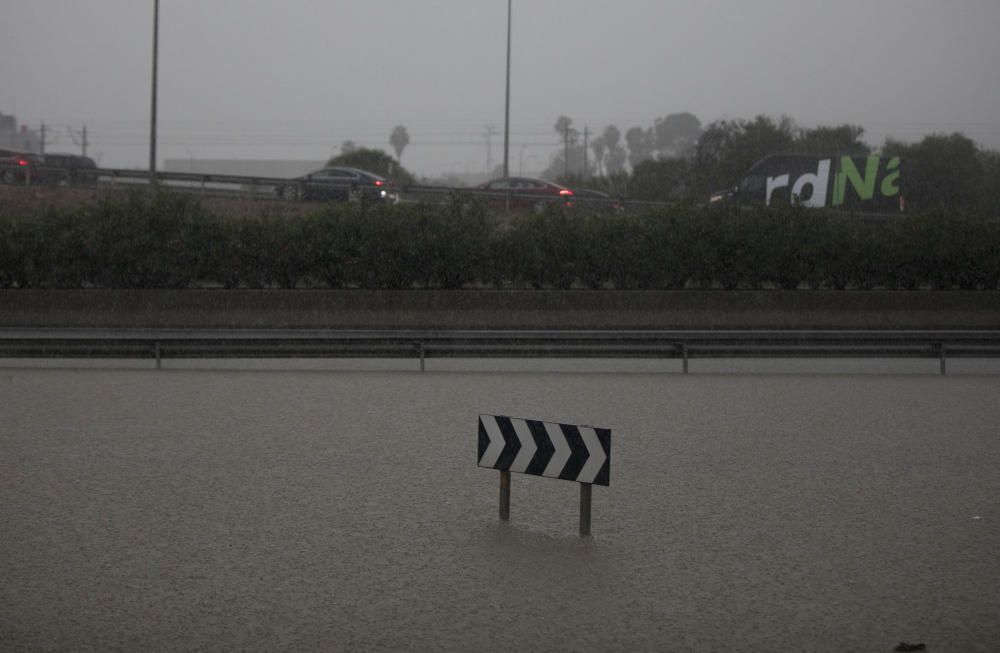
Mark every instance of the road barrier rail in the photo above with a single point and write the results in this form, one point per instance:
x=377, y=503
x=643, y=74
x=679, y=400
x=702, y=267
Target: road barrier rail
x=164, y=344
x=270, y=188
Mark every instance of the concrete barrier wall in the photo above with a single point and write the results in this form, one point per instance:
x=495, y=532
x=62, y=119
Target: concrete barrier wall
x=498, y=309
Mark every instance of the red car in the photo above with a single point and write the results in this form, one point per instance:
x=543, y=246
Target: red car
x=525, y=192
x=20, y=167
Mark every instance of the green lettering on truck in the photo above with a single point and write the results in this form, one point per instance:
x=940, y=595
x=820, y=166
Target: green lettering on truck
x=865, y=188
x=890, y=185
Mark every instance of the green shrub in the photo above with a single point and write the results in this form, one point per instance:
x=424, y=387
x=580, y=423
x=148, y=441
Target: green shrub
x=140, y=240
x=546, y=248
x=165, y=240
x=451, y=243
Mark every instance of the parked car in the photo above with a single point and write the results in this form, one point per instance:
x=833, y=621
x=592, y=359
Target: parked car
x=525, y=192
x=21, y=167
x=337, y=183
x=70, y=169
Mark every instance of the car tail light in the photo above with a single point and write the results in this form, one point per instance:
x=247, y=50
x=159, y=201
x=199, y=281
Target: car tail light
x=379, y=182
x=22, y=162
x=565, y=192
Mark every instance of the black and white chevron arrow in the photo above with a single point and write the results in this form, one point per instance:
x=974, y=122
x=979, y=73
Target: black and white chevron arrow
x=571, y=453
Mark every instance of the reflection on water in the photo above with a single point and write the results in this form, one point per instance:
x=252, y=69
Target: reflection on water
x=272, y=508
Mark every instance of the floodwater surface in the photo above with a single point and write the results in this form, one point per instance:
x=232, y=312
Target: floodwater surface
x=344, y=511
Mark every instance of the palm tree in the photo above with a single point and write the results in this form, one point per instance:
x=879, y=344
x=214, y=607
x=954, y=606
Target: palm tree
x=399, y=139
x=599, y=146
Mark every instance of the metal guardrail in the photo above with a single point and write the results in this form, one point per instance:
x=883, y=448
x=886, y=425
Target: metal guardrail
x=683, y=345
x=500, y=199
x=267, y=188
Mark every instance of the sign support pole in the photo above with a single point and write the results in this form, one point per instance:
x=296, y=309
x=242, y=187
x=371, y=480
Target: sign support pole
x=585, y=489
x=505, y=496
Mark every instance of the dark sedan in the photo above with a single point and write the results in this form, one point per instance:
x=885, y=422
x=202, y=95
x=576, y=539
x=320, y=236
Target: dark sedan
x=597, y=200
x=71, y=170
x=339, y=184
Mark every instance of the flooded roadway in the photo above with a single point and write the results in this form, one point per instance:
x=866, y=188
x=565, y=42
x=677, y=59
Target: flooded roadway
x=343, y=510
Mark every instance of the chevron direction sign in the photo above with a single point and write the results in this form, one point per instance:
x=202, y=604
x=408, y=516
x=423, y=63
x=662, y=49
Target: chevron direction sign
x=563, y=451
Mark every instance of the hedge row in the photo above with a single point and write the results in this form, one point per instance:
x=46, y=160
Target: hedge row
x=165, y=240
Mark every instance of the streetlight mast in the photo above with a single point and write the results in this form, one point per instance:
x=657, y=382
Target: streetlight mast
x=152, y=119
x=506, y=118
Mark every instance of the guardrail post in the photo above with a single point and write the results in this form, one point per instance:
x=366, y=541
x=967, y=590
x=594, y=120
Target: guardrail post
x=156, y=353
x=420, y=345
x=944, y=360
x=684, y=354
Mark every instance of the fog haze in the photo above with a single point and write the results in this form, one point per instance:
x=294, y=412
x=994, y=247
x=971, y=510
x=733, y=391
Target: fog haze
x=254, y=79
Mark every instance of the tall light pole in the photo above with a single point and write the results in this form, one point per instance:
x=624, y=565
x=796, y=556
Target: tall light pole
x=152, y=119
x=506, y=117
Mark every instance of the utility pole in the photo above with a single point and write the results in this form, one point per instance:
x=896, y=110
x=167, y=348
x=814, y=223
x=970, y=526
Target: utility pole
x=43, y=138
x=488, y=132
x=586, y=139
x=82, y=142
x=565, y=152
x=152, y=119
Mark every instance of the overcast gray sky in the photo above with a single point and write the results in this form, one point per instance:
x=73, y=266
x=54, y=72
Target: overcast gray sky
x=294, y=79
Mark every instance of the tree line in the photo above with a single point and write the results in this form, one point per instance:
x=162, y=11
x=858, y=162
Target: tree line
x=677, y=158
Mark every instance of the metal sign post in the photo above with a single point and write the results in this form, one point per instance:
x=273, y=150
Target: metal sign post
x=563, y=451
x=585, y=489
x=504, y=496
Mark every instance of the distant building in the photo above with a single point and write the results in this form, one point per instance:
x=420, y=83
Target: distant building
x=243, y=167
x=17, y=138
